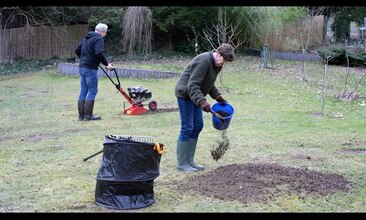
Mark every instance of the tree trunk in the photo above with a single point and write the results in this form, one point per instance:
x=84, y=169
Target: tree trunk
x=325, y=29
x=1, y=38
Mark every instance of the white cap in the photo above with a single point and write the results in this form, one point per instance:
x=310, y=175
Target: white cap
x=101, y=27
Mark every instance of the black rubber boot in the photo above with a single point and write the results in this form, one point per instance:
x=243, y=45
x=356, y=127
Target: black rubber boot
x=81, y=109
x=182, y=157
x=88, y=111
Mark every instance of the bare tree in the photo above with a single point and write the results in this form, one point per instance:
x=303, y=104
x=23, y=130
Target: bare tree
x=324, y=84
x=303, y=29
x=13, y=14
x=137, y=29
x=222, y=32
x=20, y=17
x=195, y=38
x=263, y=21
x=345, y=94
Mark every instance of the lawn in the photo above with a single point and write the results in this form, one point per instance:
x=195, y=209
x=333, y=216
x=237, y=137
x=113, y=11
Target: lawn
x=276, y=121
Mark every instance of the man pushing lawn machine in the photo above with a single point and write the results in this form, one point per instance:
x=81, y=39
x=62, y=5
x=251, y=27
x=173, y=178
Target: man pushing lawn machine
x=136, y=96
x=90, y=50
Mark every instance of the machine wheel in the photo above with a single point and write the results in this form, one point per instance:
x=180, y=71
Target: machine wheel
x=153, y=105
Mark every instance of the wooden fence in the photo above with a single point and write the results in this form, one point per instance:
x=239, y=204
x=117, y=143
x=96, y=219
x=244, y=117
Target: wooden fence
x=40, y=42
x=46, y=42
x=295, y=36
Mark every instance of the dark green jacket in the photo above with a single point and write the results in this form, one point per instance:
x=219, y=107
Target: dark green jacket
x=198, y=79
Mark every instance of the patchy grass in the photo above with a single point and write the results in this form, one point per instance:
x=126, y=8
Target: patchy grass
x=42, y=144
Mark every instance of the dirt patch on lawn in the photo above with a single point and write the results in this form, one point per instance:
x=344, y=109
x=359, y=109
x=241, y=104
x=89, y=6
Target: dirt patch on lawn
x=38, y=137
x=355, y=151
x=162, y=110
x=259, y=182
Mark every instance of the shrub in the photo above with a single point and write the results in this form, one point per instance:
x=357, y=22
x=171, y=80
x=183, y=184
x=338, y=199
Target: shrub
x=338, y=56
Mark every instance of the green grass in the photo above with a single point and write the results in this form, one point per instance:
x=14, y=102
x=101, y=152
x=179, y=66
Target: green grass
x=42, y=144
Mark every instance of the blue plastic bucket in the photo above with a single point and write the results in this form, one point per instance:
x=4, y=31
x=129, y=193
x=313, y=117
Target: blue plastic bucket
x=226, y=111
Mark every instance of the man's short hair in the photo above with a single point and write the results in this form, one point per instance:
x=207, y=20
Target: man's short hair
x=101, y=27
x=227, y=51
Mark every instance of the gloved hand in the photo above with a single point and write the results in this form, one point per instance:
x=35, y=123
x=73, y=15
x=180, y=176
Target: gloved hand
x=220, y=99
x=205, y=106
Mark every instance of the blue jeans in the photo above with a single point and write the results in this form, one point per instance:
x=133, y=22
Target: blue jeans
x=191, y=119
x=88, y=83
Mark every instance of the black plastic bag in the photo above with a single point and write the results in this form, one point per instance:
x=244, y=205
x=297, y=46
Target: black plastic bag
x=127, y=172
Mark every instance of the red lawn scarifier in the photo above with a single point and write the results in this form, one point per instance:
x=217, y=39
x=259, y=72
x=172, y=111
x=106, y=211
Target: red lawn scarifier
x=136, y=96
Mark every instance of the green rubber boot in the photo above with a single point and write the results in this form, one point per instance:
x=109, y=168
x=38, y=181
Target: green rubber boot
x=183, y=148
x=192, y=150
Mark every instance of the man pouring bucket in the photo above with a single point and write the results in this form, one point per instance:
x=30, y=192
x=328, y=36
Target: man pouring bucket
x=197, y=81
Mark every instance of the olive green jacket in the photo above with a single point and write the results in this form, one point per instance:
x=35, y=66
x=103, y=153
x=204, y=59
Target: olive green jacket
x=198, y=79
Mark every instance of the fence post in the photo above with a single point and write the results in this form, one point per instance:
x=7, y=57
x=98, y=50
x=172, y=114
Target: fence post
x=264, y=56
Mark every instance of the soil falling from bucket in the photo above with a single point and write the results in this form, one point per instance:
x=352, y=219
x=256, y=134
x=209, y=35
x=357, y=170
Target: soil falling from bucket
x=223, y=114
x=222, y=146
